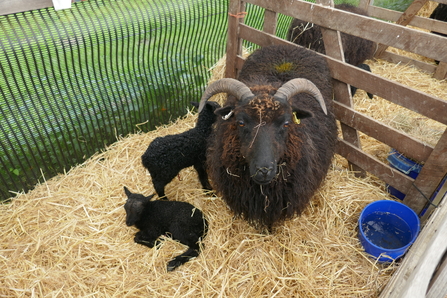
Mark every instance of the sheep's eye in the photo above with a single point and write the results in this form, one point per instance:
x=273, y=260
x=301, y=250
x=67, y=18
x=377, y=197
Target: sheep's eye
x=241, y=123
x=286, y=124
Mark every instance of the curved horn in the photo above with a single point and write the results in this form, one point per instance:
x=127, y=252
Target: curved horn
x=227, y=85
x=300, y=85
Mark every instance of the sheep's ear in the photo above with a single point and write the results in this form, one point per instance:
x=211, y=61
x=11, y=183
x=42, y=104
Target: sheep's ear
x=225, y=112
x=128, y=193
x=301, y=114
x=195, y=104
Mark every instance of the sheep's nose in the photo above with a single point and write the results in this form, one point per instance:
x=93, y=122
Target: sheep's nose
x=264, y=175
x=264, y=170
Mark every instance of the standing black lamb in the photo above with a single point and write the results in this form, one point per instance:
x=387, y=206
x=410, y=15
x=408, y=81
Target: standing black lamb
x=356, y=50
x=180, y=220
x=166, y=156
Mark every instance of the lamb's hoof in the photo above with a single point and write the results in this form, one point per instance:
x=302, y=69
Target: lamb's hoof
x=140, y=240
x=173, y=264
x=209, y=193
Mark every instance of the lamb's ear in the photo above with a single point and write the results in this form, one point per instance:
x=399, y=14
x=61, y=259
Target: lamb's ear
x=225, y=112
x=149, y=197
x=128, y=193
x=212, y=106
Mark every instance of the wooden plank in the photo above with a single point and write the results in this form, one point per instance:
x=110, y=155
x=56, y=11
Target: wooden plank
x=430, y=176
x=398, y=282
x=364, y=4
x=436, y=201
x=342, y=92
x=441, y=71
x=417, y=283
x=417, y=21
x=404, y=20
x=401, y=142
x=397, y=93
x=384, y=172
x=14, y=6
x=395, y=58
x=239, y=62
x=422, y=43
x=234, y=43
x=437, y=287
x=270, y=21
x=410, y=12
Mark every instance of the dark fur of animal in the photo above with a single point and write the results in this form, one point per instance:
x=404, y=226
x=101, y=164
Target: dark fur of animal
x=356, y=50
x=263, y=127
x=440, y=14
x=166, y=156
x=180, y=220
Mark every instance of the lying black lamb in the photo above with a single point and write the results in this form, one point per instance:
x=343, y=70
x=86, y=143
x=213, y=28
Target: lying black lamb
x=166, y=156
x=181, y=220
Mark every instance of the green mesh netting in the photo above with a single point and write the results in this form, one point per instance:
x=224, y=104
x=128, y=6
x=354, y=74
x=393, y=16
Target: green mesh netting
x=71, y=81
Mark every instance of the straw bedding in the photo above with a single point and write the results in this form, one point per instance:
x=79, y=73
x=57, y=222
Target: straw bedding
x=68, y=238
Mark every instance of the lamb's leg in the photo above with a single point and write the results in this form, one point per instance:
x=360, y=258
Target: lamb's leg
x=354, y=89
x=160, y=189
x=183, y=258
x=203, y=176
x=143, y=239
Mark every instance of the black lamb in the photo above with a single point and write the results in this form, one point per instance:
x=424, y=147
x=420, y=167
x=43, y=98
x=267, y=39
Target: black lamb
x=180, y=220
x=167, y=156
x=356, y=49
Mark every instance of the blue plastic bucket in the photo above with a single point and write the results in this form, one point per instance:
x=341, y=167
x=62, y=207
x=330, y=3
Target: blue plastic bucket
x=404, y=165
x=387, y=229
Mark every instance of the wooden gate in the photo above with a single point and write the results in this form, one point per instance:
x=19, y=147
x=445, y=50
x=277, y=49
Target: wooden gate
x=387, y=34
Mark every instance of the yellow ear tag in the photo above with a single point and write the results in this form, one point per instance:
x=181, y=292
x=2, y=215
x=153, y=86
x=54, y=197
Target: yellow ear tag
x=295, y=118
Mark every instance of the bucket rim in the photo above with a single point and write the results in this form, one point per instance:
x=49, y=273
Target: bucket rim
x=413, y=238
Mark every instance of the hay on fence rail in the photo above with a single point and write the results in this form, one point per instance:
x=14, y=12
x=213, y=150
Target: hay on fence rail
x=68, y=237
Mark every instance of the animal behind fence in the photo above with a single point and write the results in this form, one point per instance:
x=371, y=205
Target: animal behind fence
x=355, y=49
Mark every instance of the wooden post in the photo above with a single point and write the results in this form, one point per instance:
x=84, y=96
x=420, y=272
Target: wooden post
x=364, y=4
x=342, y=93
x=430, y=176
x=270, y=21
x=236, y=14
x=436, y=201
x=441, y=71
